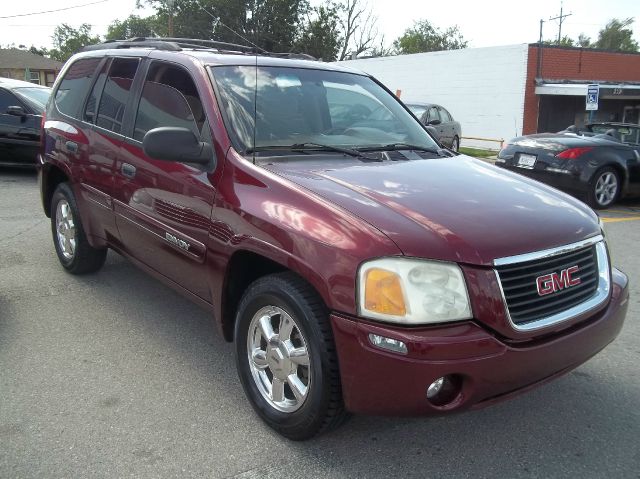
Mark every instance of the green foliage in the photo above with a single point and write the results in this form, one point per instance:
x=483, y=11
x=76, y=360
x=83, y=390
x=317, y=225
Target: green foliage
x=321, y=35
x=424, y=37
x=68, y=40
x=617, y=35
x=134, y=26
x=270, y=24
x=584, y=41
x=565, y=41
x=43, y=52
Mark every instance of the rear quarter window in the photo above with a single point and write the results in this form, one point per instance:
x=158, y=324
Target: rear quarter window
x=73, y=87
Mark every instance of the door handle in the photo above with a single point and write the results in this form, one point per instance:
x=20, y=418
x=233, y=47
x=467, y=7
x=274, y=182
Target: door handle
x=71, y=146
x=128, y=170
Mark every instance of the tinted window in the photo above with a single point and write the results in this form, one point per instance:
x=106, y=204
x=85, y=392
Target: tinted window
x=90, y=109
x=445, y=115
x=73, y=88
x=169, y=98
x=116, y=93
x=6, y=100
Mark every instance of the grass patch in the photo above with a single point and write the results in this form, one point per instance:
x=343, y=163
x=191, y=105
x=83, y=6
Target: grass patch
x=477, y=152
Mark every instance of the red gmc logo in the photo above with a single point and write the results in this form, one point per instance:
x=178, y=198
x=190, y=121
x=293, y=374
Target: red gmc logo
x=552, y=282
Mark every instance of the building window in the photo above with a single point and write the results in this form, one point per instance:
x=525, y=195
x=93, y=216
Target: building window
x=5, y=74
x=34, y=77
x=50, y=78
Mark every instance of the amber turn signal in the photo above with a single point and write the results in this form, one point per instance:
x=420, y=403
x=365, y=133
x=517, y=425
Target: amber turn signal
x=383, y=292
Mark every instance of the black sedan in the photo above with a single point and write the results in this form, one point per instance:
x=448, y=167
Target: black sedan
x=599, y=163
x=21, y=107
x=439, y=122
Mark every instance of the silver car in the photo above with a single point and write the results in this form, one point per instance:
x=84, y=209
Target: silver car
x=440, y=122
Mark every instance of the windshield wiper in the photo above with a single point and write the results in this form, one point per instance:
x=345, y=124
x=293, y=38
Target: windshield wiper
x=308, y=146
x=406, y=146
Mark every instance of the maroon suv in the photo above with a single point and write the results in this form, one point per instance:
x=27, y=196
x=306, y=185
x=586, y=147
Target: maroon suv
x=357, y=265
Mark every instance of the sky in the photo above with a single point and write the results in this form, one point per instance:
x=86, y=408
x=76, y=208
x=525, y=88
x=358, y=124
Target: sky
x=483, y=23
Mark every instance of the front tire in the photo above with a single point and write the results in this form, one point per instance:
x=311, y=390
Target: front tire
x=75, y=253
x=455, y=144
x=286, y=357
x=604, y=188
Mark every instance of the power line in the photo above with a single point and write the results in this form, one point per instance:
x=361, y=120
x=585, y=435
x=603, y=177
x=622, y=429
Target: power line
x=55, y=10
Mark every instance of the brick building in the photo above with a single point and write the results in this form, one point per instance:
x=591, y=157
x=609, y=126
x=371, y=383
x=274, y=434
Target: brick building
x=557, y=80
x=24, y=65
x=502, y=92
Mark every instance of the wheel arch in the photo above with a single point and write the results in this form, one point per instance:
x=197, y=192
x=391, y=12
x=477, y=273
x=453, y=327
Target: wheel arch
x=243, y=268
x=52, y=176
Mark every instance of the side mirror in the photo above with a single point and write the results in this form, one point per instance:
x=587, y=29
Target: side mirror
x=434, y=122
x=169, y=143
x=16, y=111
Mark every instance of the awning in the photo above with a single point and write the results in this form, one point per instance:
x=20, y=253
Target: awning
x=608, y=91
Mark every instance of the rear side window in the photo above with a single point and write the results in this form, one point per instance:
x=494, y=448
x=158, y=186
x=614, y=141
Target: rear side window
x=96, y=91
x=73, y=88
x=169, y=98
x=116, y=93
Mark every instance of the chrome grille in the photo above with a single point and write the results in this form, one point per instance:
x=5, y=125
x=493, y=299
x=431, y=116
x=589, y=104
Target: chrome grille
x=518, y=280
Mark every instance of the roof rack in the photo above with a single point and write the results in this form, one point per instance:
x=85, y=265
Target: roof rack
x=178, y=44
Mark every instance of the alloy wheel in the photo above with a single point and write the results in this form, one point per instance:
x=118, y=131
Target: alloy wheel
x=606, y=188
x=65, y=229
x=278, y=359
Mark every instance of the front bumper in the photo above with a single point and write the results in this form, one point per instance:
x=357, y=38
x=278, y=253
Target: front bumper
x=490, y=369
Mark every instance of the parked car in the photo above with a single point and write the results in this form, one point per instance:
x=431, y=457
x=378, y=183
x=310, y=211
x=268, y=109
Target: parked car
x=356, y=266
x=21, y=107
x=440, y=122
x=599, y=163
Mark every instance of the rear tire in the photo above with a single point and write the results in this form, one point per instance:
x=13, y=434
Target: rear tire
x=286, y=357
x=604, y=188
x=75, y=253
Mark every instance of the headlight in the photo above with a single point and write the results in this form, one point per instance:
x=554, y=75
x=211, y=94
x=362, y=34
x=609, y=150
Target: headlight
x=409, y=291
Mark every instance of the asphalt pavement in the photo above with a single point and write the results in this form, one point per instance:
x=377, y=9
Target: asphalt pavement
x=115, y=375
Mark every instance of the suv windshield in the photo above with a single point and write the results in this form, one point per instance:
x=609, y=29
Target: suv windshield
x=276, y=106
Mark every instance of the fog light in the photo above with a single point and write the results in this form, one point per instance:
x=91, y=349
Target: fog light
x=387, y=343
x=434, y=388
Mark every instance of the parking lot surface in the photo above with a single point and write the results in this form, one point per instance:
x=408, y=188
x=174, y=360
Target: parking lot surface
x=115, y=375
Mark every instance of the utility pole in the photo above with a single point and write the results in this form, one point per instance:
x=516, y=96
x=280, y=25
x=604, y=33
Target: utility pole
x=560, y=19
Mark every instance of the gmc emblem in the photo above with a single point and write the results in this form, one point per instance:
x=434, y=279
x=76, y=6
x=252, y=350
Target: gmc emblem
x=552, y=282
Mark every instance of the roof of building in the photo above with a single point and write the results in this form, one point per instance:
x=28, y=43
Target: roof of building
x=14, y=58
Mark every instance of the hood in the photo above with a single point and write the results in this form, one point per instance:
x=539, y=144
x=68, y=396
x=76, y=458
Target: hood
x=453, y=209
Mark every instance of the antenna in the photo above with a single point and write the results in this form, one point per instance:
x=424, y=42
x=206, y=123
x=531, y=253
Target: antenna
x=560, y=19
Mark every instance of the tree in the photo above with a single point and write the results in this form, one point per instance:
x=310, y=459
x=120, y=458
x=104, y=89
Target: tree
x=616, y=36
x=358, y=24
x=321, y=35
x=584, y=41
x=43, y=52
x=565, y=41
x=134, y=26
x=269, y=24
x=68, y=40
x=424, y=37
